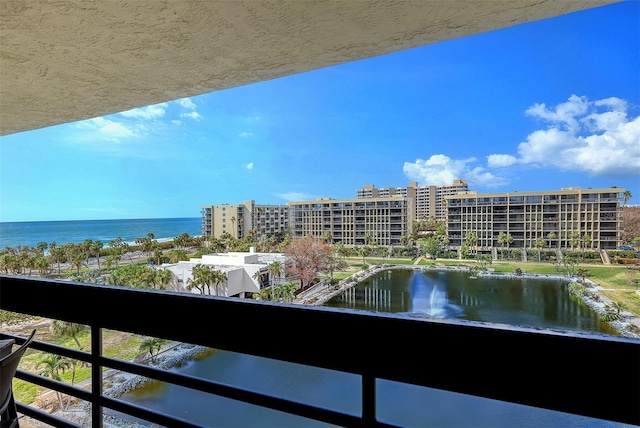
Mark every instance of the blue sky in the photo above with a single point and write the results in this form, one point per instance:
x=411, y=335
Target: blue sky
x=539, y=106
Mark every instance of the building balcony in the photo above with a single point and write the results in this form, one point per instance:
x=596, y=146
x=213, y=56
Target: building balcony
x=404, y=362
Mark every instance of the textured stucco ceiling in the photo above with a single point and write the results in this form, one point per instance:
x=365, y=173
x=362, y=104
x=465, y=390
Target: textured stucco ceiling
x=65, y=60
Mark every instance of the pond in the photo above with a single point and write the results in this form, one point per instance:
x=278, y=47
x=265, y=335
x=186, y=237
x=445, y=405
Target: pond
x=520, y=301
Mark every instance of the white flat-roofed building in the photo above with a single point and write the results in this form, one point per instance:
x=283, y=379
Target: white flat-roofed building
x=239, y=267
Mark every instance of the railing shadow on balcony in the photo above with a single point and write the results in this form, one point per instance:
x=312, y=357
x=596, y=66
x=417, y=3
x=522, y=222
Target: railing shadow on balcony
x=549, y=370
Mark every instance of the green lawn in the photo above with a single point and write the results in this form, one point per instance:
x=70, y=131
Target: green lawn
x=118, y=345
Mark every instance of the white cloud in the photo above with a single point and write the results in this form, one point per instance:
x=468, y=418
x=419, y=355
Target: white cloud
x=193, y=115
x=594, y=137
x=108, y=129
x=440, y=169
x=437, y=170
x=186, y=103
x=249, y=166
x=246, y=134
x=500, y=161
x=188, y=109
x=478, y=176
x=294, y=196
x=149, y=112
x=564, y=114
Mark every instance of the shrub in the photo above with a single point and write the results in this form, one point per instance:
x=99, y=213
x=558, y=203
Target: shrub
x=577, y=289
x=627, y=261
x=608, y=316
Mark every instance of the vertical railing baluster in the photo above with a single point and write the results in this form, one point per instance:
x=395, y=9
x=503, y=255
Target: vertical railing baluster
x=96, y=376
x=368, y=400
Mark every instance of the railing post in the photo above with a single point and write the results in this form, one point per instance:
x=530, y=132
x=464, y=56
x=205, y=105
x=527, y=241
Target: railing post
x=96, y=377
x=368, y=400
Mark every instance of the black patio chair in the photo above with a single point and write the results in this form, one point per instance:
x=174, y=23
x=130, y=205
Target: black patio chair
x=8, y=367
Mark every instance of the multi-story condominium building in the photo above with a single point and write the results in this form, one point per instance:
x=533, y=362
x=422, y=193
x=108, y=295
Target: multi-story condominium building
x=556, y=216
x=428, y=200
x=270, y=220
x=383, y=221
x=241, y=220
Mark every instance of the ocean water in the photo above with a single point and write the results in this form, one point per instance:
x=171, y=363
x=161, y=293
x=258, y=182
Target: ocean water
x=31, y=233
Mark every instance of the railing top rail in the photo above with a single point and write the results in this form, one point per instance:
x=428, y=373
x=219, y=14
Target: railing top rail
x=354, y=343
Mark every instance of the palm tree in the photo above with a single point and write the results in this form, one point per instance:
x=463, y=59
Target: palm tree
x=574, y=239
x=540, y=244
x=53, y=365
x=67, y=329
x=263, y=294
x=586, y=241
x=626, y=196
x=146, y=243
x=56, y=253
x=152, y=345
x=86, y=246
x=42, y=264
x=177, y=255
x=471, y=239
x=182, y=241
x=368, y=239
x=288, y=290
x=197, y=279
x=109, y=262
x=126, y=250
x=275, y=270
x=96, y=247
x=551, y=236
x=78, y=261
x=157, y=255
x=116, y=247
x=363, y=251
x=162, y=278
x=502, y=239
x=217, y=278
x=258, y=277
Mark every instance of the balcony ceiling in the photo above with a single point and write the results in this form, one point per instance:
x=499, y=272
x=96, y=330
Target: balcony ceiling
x=70, y=60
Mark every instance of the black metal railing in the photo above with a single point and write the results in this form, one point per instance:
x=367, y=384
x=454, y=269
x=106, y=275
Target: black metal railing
x=549, y=370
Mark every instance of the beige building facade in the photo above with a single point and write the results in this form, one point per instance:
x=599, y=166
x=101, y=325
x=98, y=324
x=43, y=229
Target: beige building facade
x=595, y=215
x=428, y=200
x=240, y=220
x=379, y=221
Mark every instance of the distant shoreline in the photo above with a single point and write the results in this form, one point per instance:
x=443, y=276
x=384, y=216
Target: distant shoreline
x=30, y=233
x=103, y=219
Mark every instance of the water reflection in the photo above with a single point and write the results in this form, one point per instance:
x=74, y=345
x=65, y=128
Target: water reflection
x=526, y=302
x=429, y=298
